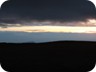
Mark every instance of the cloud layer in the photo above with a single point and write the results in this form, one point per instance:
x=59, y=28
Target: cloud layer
x=20, y=11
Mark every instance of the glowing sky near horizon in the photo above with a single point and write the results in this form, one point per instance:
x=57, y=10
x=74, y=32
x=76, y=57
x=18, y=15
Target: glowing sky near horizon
x=46, y=31
x=77, y=27
x=64, y=29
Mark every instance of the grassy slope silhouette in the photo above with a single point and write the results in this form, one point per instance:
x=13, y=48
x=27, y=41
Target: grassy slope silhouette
x=74, y=56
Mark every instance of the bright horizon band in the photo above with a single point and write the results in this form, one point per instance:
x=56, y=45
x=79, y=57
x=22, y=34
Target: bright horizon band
x=88, y=26
x=65, y=29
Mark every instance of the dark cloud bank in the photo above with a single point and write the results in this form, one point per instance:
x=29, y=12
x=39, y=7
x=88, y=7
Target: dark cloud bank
x=14, y=11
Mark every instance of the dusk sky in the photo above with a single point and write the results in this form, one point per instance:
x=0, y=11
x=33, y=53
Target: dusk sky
x=47, y=20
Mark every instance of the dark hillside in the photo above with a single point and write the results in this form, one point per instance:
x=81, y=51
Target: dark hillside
x=73, y=56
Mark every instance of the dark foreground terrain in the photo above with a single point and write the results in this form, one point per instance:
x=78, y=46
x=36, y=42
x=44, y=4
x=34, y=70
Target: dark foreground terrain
x=64, y=56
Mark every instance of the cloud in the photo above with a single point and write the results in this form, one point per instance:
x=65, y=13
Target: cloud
x=21, y=23
x=24, y=11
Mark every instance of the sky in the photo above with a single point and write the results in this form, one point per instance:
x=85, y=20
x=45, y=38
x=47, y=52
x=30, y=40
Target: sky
x=47, y=20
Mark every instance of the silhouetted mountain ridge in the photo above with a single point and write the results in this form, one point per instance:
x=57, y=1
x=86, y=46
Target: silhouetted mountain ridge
x=50, y=42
